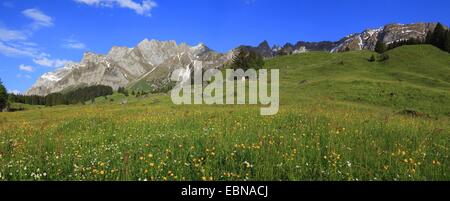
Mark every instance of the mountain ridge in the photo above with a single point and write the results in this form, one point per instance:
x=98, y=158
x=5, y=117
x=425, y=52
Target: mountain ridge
x=122, y=65
x=151, y=62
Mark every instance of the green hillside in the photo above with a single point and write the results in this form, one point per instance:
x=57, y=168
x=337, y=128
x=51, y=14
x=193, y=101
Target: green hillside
x=414, y=78
x=341, y=118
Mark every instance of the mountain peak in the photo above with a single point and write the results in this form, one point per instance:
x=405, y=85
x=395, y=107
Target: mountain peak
x=150, y=61
x=264, y=45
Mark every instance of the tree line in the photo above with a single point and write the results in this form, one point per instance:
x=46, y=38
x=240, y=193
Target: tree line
x=439, y=38
x=80, y=95
x=3, y=97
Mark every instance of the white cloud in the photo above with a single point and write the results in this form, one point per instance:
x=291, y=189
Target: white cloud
x=15, y=49
x=39, y=18
x=11, y=35
x=26, y=68
x=23, y=76
x=15, y=43
x=28, y=50
x=73, y=44
x=143, y=8
x=89, y=2
x=45, y=61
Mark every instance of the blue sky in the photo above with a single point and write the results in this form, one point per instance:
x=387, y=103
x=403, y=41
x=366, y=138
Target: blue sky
x=37, y=36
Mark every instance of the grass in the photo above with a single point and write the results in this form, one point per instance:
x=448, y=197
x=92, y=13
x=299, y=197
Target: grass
x=340, y=119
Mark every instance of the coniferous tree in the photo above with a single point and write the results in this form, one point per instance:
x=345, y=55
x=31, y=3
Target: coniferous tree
x=3, y=96
x=9, y=102
x=73, y=97
x=246, y=59
x=447, y=41
x=438, y=36
x=380, y=47
x=429, y=37
x=239, y=59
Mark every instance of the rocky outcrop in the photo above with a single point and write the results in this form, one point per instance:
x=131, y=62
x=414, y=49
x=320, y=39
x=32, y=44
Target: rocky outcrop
x=150, y=61
x=368, y=39
x=365, y=40
x=316, y=46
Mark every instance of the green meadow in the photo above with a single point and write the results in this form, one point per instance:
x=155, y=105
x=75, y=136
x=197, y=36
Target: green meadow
x=341, y=118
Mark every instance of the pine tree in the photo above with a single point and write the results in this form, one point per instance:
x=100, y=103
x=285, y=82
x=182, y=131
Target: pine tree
x=120, y=90
x=438, y=36
x=9, y=102
x=447, y=41
x=380, y=47
x=238, y=60
x=3, y=96
x=246, y=59
x=428, y=38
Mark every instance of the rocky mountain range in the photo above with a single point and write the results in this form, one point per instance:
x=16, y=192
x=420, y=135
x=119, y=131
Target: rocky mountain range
x=365, y=40
x=388, y=34
x=150, y=64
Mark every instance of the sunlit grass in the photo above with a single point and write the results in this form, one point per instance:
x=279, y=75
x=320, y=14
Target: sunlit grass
x=335, y=126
